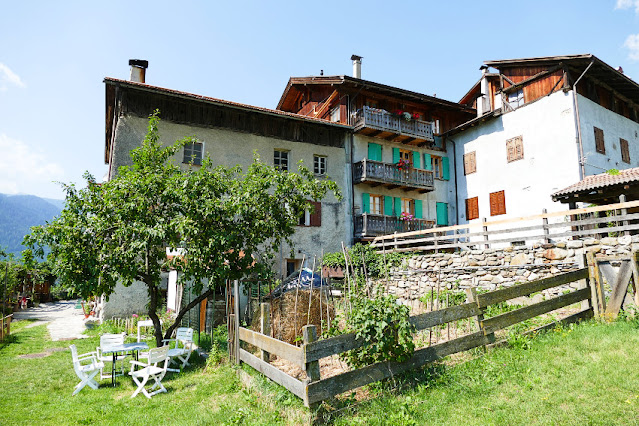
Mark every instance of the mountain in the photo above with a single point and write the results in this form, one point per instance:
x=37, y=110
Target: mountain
x=18, y=213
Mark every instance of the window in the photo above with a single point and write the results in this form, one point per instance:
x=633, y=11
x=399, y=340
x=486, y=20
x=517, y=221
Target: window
x=335, y=114
x=312, y=217
x=600, y=146
x=625, y=152
x=515, y=149
x=319, y=165
x=280, y=159
x=472, y=208
x=516, y=98
x=436, y=163
x=376, y=204
x=408, y=206
x=470, y=165
x=436, y=126
x=292, y=265
x=497, y=203
x=193, y=153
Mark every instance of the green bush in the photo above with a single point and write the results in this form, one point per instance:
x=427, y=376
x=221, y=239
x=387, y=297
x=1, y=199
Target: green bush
x=364, y=254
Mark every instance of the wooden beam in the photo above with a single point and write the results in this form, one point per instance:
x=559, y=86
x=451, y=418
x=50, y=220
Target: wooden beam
x=273, y=346
x=278, y=376
x=499, y=322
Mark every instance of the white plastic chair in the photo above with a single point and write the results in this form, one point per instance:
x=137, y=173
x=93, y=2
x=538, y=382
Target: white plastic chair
x=85, y=371
x=111, y=340
x=183, y=347
x=155, y=369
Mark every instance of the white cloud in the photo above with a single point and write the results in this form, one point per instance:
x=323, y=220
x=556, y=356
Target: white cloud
x=627, y=4
x=8, y=77
x=23, y=169
x=632, y=43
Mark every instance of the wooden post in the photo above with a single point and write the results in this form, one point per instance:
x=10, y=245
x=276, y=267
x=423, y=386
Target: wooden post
x=485, y=228
x=309, y=333
x=232, y=333
x=622, y=199
x=596, y=286
x=582, y=263
x=545, y=226
x=265, y=327
x=236, y=306
x=635, y=275
x=471, y=294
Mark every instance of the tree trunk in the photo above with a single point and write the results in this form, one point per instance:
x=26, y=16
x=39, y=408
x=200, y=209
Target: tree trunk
x=187, y=308
x=153, y=306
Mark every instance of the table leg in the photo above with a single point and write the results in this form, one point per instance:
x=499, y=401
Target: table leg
x=113, y=370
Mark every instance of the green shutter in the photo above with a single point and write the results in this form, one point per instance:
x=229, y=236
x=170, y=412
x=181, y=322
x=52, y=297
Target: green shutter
x=388, y=205
x=442, y=214
x=445, y=169
x=398, y=206
x=366, y=203
x=417, y=163
x=374, y=151
x=428, y=165
x=418, y=209
x=395, y=155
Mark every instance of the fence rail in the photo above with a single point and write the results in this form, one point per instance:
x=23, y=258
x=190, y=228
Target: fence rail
x=315, y=389
x=484, y=233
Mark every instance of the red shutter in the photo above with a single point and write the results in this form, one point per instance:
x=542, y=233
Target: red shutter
x=472, y=208
x=497, y=203
x=316, y=215
x=625, y=152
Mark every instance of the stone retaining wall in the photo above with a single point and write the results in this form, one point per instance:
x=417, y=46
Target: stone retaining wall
x=491, y=269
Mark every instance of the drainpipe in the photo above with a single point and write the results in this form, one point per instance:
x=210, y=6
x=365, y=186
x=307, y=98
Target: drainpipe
x=456, y=194
x=575, y=105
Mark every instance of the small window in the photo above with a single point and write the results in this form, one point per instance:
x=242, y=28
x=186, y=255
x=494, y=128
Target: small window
x=292, y=265
x=436, y=163
x=193, y=153
x=280, y=159
x=625, y=152
x=376, y=204
x=472, y=208
x=497, y=203
x=470, y=164
x=319, y=165
x=335, y=114
x=436, y=125
x=516, y=98
x=600, y=146
x=515, y=149
x=312, y=217
x=408, y=206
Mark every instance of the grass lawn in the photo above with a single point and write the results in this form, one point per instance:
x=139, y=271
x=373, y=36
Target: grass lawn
x=585, y=375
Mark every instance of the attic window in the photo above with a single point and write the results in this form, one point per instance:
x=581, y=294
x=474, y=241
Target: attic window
x=193, y=153
x=516, y=98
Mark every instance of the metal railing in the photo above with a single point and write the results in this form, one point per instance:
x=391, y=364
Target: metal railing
x=372, y=225
x=369, y=170
x=385, y=121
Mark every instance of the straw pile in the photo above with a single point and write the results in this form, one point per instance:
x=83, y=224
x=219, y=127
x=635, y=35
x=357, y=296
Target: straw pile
x=284, y=316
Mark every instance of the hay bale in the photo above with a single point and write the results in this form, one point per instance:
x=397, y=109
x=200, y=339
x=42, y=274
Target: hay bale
x=284, y=315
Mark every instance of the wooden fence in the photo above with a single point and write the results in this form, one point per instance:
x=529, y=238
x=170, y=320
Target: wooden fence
x=569, y=223
x=316, y=389
x=5, y=327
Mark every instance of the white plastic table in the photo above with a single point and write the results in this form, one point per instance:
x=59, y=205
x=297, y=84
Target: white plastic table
x=126, y=347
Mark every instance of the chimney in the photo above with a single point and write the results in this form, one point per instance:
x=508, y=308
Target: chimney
x=483, y=103
x=357, y=66
x=138, y=70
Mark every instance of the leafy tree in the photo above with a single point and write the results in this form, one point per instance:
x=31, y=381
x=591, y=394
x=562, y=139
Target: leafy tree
x=228, y=223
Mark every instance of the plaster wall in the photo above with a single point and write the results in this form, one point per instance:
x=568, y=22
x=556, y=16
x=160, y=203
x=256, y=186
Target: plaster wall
x=230, y=148
x=429, y=199
x=550, y=161
x=615, y=127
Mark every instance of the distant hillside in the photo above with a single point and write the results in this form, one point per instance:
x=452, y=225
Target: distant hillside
x=18, y=213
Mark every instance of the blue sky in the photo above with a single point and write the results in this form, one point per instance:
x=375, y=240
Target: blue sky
x=54, y=56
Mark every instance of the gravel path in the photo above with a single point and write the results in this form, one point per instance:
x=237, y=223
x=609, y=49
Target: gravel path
x=63, y=320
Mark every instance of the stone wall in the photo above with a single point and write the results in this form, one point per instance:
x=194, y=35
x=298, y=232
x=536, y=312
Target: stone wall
x=491, y=269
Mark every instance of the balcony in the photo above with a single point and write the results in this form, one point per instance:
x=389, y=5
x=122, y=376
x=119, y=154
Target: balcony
x=382, y=124
x=376, y=173
x=373, y=225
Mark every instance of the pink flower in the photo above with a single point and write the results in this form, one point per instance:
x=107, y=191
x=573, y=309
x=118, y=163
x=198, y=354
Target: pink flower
x=135, y=315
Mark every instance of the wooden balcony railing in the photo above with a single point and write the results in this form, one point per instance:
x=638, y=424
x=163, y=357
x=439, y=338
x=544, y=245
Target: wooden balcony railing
x=368, y=171
x=373, y=225
x=378, y=122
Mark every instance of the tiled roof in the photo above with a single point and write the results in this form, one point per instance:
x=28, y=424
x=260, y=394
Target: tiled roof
x=600, y=181
x=193, y=96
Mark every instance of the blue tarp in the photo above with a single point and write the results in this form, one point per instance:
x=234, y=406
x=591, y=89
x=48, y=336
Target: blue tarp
x=305, y=280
